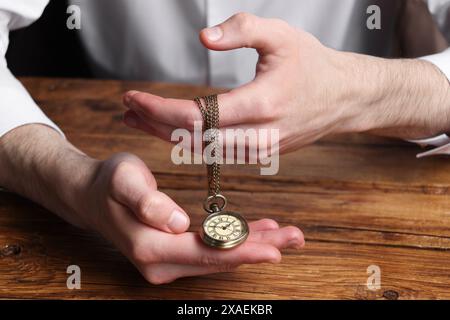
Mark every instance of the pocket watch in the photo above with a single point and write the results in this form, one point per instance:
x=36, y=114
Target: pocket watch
x=223, y=229
x=220, y=229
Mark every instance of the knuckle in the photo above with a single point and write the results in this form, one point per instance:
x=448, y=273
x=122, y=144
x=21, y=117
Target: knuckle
x=242, y=16
x=284, y=32
x=282, y=25
x=123, y=168
x=207, y=260
x=226, y=268
x=122, y=162
x=190, y=120
x=147, y=207
x=270, y=224
x=245, y=21
x=119, y=173
x=306, y=37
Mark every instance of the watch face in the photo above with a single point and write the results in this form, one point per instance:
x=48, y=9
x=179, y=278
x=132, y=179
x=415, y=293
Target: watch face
x=224, y=230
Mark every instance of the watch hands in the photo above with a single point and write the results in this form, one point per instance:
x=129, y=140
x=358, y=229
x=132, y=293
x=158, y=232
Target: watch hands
x=225, y=228
x=229, y=225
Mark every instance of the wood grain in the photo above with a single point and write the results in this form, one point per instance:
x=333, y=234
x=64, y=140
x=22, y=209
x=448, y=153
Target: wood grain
x=360, y=201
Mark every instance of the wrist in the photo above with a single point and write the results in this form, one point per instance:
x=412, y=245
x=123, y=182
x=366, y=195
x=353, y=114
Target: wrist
x=357, y=94
x=403, y=98
x=71, y=182
x=42, y=166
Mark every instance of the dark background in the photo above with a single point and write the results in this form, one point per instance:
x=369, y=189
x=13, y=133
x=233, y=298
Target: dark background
x=47, y=47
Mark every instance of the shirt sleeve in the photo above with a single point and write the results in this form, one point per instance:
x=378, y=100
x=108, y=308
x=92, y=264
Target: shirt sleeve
x=441, y=60
x=440, y=10
x=17, y=108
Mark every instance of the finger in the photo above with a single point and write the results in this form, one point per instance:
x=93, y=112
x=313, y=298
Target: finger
x=168, y=272
x=146, y=246
x=287, y=237
x=167, y=132
x=245, y=30
x=187, y=248
x=175, y=112
x=242, y=105
x=263, y=225
x=153, y=127
x=244, y=137
x=154, y=208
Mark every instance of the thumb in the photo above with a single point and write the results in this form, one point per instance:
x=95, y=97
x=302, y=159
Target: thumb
x=244, y=30
x=130, y=187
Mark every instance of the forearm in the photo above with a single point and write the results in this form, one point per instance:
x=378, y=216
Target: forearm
x=39, y=164
x=403, y=98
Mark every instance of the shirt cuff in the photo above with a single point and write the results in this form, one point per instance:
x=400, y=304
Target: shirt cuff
x=434, y=141
x=442, y=142
x=440, y=60
x=19, y=109
x=445, y=149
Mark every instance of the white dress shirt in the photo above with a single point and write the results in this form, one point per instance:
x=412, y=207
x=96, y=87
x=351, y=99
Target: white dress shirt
x=158, y=40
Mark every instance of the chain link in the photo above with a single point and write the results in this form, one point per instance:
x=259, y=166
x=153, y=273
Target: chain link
x=210, y=114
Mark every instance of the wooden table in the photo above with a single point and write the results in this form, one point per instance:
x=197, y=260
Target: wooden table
x=360, y=201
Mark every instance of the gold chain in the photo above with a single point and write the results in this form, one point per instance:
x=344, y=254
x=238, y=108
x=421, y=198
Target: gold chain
x=210, y=114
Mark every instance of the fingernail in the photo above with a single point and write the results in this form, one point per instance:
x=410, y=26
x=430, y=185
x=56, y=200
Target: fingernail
x=178, y=221
x=128, y=96
x=295, y=244
x=130, y=121
x=214, y=33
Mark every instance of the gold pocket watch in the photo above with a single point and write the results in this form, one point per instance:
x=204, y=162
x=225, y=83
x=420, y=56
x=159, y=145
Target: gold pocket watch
x=220, y=229
x=223, y=229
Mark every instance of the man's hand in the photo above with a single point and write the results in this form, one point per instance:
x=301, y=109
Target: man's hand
x=138, y=219
x=119, y=199
x=307, y=90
